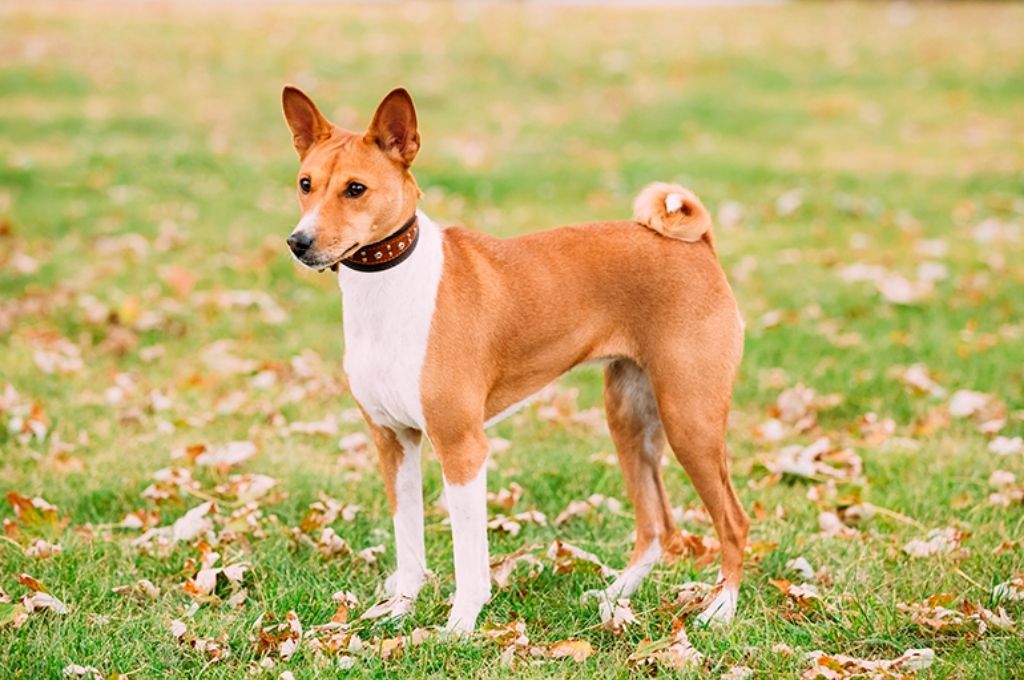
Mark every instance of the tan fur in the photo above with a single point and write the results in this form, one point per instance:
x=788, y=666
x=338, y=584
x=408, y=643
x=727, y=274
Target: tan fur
x=332, y=157
x=389, y=454
x=512, y=315
x=672, y=210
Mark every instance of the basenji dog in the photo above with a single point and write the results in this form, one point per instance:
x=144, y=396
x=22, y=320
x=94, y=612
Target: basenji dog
x=449, y=330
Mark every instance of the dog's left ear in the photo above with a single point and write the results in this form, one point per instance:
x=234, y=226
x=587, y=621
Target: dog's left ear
x=394, y=127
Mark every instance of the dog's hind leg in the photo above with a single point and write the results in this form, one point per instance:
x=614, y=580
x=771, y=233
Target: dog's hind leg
x=639, y=439
x=694, y=403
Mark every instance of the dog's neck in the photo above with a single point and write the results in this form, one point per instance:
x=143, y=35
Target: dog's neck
x=388, y=252
x=361, y=287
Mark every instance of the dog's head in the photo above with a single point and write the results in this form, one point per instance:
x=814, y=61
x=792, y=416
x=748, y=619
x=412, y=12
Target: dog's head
x=354, y=188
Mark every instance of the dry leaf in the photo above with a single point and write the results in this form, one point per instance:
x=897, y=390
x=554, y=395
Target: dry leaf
x=595, y=502
x=74, y=670
x=1011, y=591
x=938, y=542
x=1006, y=446
x=839, y=667
x=804, y=595
x=346, y=601
x=674, y=652
x=506, y=498
x=566, y=556
x=802, y=567
x=227, y=455
x=142, y=590
x=503, y=567
x=615, y=616
x=514, y=524
x=934, y=614
x=282, y=638
x=577, y=650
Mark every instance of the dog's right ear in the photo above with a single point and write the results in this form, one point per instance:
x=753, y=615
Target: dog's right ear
x=307, y=124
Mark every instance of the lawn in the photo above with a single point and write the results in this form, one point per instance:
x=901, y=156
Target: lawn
x=865, y=164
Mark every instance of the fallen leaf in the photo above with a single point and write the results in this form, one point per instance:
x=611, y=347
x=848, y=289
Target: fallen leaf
x=141, y=590
x=577, y=650
x=346, y=601
x=615, y=616
x=503, y=567
x=938, y=542
x=1011, y=591
x=839, y=667
x=227, y=455
x=1006, y=446
x=594, y=502
x=507, y=497
x=73, y=670
x=674, y=652
x=514, y=524
x=566, y=556
x=802, y=567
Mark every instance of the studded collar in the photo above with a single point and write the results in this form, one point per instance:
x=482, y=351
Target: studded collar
x=387, y=253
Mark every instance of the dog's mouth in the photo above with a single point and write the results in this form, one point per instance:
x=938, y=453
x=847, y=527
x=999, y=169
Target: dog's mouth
x=333, y=265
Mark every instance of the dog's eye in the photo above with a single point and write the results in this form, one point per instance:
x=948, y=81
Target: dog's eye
x=355, y=190
x=305, y=185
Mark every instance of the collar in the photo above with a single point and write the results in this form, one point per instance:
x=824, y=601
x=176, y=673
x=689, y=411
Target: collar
x=387, y=253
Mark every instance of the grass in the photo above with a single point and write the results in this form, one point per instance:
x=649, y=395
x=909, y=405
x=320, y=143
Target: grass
x=896, y=126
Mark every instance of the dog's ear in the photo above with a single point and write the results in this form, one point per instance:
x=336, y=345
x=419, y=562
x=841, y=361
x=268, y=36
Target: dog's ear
x=307, y=124
x=394, y=127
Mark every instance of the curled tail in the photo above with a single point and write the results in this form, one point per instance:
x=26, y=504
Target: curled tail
x=673, y=211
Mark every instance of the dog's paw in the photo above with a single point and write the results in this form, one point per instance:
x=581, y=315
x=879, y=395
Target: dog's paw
x=390, y=609
x=722, y=609
x=456, y=629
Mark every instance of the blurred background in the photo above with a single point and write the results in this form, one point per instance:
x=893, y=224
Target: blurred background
x=864, y=164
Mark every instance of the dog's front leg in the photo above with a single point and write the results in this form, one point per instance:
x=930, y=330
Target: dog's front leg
x=400, y=466
x=465, y=486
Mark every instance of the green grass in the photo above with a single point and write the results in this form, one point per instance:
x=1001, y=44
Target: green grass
x=154, y=120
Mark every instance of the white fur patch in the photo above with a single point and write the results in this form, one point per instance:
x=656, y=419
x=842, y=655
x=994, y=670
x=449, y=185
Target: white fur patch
x=722, y=609
x=673, y=202
x=633, y=575
x=467, y=508
x=308, y=223
x=405, y=583
x=387, y=319
x=408, y=522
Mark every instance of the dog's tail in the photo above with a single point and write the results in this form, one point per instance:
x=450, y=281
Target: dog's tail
x=673, y=211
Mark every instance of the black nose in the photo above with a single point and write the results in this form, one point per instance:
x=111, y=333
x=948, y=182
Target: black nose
x=300, y=242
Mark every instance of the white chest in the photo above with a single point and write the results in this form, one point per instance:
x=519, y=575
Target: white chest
x=387, y=317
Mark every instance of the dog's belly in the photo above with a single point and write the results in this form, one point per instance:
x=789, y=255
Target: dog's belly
x=387, y=317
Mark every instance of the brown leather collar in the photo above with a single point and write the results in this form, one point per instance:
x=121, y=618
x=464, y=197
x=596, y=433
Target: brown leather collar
x=392, y=251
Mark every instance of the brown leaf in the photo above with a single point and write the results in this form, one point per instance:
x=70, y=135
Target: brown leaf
x=346, y=601
x=839, y=667
x=577, y=650
x=503, y=567
x=566, y=557
x=674, y=652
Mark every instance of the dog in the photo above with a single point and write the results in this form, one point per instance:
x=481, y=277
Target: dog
x=448, y=330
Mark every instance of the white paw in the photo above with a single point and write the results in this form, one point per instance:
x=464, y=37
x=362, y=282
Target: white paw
x=390, y=609
x=464, y=614
x=460, y=623
x=722, y=609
